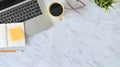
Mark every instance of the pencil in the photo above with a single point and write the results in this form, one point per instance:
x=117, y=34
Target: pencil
x=11, y=51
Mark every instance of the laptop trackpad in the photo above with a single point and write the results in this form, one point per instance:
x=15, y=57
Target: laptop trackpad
x=37, y=25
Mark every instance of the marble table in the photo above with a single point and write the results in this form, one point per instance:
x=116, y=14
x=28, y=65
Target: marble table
x=88, y=39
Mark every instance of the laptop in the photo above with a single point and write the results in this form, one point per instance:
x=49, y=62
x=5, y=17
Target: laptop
x=33, y=13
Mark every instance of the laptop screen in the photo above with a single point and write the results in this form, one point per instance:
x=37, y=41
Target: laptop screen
x=7, y=3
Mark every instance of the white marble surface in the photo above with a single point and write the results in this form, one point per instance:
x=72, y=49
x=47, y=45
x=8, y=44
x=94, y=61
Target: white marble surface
x=89, y=39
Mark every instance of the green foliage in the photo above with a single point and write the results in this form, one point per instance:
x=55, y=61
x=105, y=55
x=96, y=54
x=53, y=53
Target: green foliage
x=104, y=3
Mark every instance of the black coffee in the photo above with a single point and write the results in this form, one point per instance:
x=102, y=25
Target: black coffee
x=56, y=9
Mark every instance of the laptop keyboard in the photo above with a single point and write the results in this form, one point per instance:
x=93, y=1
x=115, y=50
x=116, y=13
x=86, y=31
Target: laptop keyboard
x=21, y=13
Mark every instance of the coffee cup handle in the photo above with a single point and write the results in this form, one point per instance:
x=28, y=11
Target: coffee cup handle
x=60, y=17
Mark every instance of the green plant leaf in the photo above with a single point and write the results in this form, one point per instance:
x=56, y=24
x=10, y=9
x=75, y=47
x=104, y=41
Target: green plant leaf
x=104, y=3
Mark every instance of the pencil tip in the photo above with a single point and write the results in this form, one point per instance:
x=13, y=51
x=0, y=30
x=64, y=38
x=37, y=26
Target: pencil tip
x=20, y=51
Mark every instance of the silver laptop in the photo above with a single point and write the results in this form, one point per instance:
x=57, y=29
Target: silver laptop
x=32, y=12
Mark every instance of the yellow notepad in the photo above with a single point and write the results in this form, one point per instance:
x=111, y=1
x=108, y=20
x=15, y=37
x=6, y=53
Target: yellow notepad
x=17, y=33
